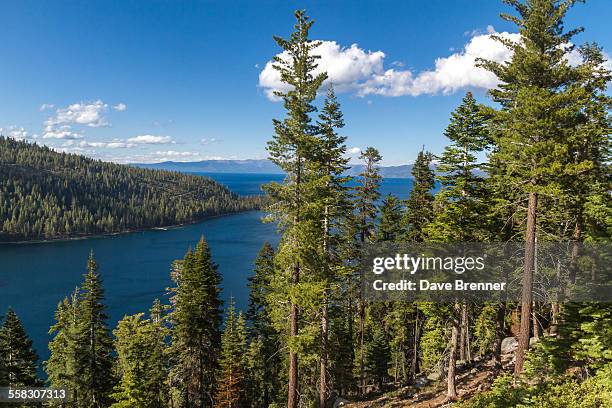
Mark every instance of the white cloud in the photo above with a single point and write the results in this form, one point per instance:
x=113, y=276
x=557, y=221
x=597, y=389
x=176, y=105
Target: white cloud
x=207, y=141
x=120, y=107
x=346, y=67
x=60, y=132
x=150, y=139
x=87, y=114
x=353, y=150
x=119, y=144
x=46, y=106
x=353, y=69
x=175, y=153
x=452, y=73
x=114, y=144
x=15, y=132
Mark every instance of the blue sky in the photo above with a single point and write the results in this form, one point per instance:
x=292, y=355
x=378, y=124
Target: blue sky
x=147, y=81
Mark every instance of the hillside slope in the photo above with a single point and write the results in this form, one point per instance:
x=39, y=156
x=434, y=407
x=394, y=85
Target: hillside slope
x=50, y=195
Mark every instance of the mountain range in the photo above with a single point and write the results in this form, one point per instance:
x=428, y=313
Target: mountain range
x=261, y=166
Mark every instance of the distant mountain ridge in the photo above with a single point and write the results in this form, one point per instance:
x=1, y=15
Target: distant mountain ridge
x=261, y=166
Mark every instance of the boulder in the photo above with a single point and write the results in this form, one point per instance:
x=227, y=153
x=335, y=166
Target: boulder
x=509, y=344
x=421, y=382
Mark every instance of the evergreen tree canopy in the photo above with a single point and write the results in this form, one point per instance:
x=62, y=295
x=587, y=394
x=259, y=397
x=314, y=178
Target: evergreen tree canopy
x=18, y=360
x=419, y=206
x=196, y=326
x=141, y=363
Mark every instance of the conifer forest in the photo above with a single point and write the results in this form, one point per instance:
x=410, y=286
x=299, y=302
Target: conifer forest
x=531, y=164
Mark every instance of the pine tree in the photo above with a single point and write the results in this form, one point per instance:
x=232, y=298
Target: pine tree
x=196, y=320
x=460, y=205
x=366, y=195
x=19, y=360
x=231, y=389
x=541, y=98
x=264, y=387
x=65, y=363
x=332, y=164
x=256, y=377
x=461, y=202
x=294, y=149
x=419, y=206
x=3, y=372
x=377, y=357
x=391, y=214
x=141, y=363
x=95, y=339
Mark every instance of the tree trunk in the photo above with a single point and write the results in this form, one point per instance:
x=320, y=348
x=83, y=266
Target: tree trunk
x=361, y=345
x=527, y=295
x=499, y=334
x=324, y=317
x=536, y=323
x=463, y=333
x=414, y=367
x=451, y=392
x=292, y=400
x=324, y=350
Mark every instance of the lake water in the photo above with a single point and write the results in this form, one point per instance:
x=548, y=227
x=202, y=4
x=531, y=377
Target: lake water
x=135, y=267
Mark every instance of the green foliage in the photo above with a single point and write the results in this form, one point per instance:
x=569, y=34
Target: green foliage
x=141, y=363
x=18, y=360
x=585, y=336
x=391, y=213
x=231, y=387
x=48, y=195
x=461, y=203
x=65, y=362
x=196, y=318
x=378, y=357
x=367, y=194
x=259, y=385
x=81, y=350
x=433, y=343
x=485, y=329
x=567, y=392
x=419, y=206
x=263, y=386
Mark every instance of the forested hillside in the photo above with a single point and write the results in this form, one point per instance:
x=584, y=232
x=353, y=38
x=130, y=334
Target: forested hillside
x=48, y=195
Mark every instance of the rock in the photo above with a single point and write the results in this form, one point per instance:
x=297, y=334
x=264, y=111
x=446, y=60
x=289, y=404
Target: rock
x=340, y=402
x=533, y=341
x=473, y=371
x=435, y=376
x=508, y=345
x=421, y=382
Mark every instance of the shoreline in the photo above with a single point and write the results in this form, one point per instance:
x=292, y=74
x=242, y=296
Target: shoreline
x=112, y=234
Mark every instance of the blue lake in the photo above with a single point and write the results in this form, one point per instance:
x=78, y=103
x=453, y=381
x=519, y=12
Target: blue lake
x=135, y=267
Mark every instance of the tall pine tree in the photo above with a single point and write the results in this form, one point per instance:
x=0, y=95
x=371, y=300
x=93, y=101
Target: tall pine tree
x=264, y=387
x=366, y=196
x=294, y=149
x=541, y=98
x=332, y=164
x=196, y=327
x=94, y=337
